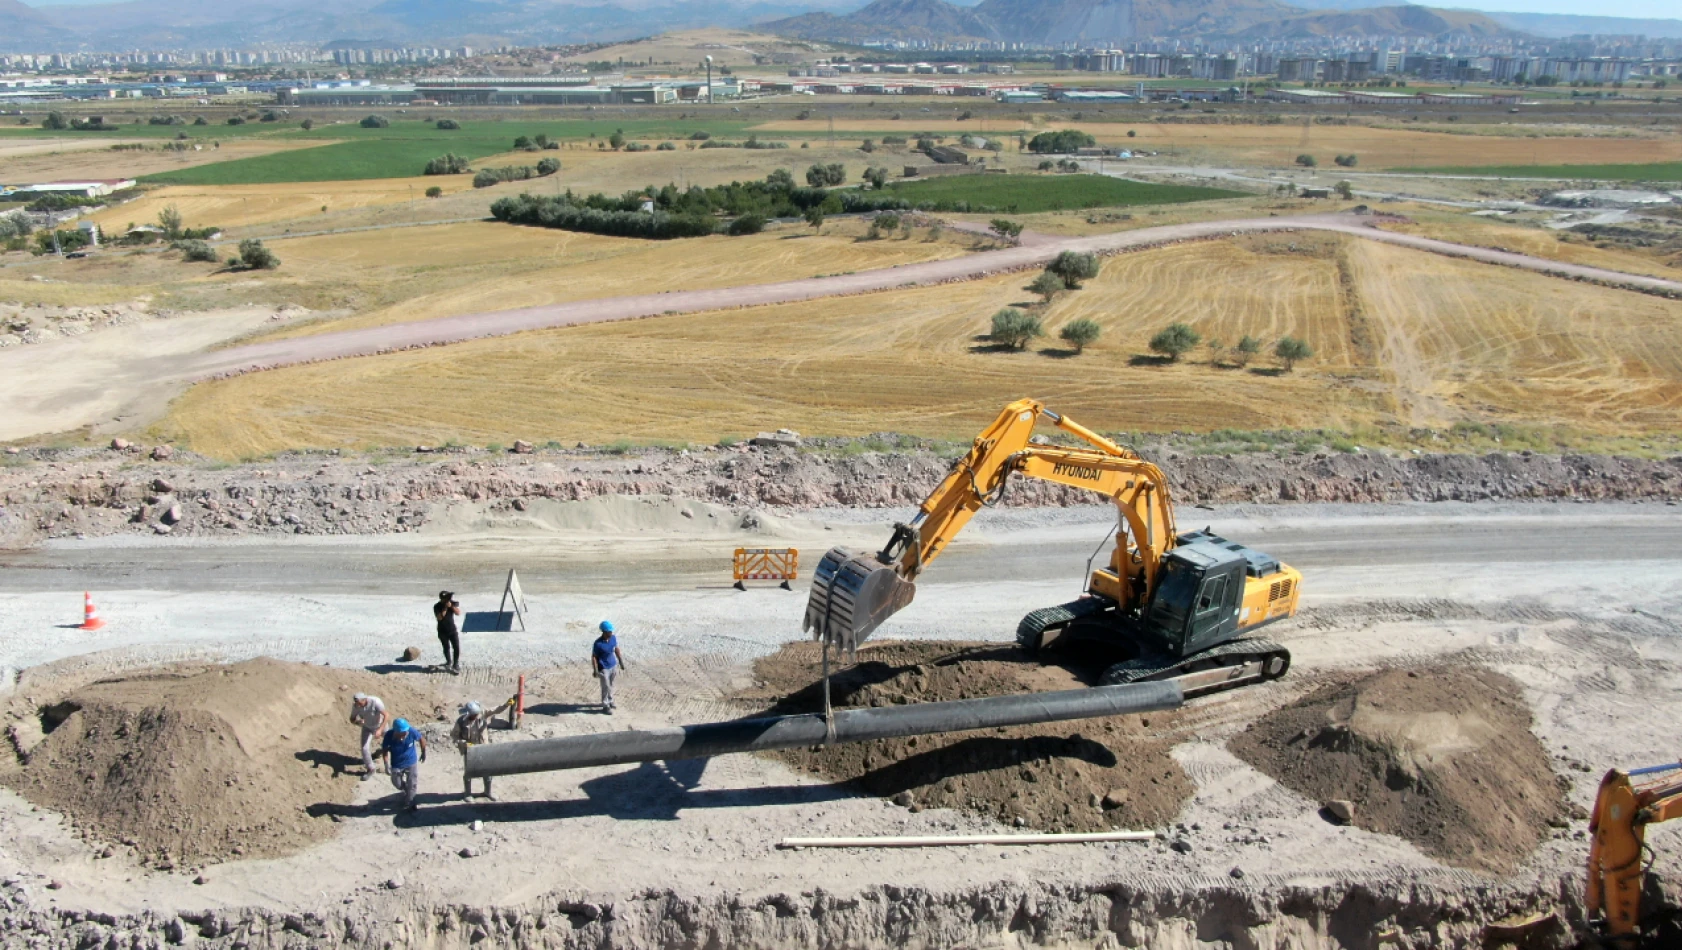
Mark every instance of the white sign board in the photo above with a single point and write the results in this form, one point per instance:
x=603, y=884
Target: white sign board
x=512, y=595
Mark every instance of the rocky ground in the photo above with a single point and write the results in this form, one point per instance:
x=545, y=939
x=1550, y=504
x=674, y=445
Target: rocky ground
x=49, y=493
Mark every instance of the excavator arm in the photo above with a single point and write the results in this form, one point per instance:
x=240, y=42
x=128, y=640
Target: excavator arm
x=1617, y=837
x=852, y=594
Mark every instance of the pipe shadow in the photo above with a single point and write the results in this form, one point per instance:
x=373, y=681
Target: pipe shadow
x=561, y=709
x=653, y=791
x=979, y=754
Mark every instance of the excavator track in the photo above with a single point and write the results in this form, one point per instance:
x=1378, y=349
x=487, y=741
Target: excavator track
x=1030, y=632
x=1230, y=665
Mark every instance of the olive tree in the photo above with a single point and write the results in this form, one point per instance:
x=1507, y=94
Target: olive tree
x=1014, y=328
x=1074, y=267
x=1176, y=339
x=1080, y=334
x=1246, y=350
x=1047, y=285
x=1290, y=349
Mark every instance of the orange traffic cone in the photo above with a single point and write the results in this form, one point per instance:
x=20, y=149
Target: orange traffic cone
x=90, y=613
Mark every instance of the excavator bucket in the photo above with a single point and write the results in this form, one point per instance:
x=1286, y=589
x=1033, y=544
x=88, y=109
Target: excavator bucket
x=852, y=594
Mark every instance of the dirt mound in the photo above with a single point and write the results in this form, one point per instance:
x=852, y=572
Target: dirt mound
x=1052, y=777
x=1443, y=757
x=194, y=765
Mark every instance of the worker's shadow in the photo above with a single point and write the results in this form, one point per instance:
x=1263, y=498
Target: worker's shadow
x=321, y=758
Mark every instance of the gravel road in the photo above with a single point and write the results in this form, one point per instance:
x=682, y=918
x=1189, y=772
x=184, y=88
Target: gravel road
x=1032, y=253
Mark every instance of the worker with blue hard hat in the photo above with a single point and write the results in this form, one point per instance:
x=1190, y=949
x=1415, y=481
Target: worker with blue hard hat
x=606, y=661
x=404, y=749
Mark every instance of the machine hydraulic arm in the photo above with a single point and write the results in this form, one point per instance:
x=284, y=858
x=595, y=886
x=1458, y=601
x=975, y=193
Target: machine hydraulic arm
x=853, y=594
x=1617, y=837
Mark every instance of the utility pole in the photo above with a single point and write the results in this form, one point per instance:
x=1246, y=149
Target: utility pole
x=709, y=79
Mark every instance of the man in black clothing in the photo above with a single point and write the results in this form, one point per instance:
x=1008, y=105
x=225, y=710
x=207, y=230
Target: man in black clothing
x=446, y=610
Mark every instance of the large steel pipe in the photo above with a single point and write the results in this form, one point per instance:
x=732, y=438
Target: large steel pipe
x=784, y=732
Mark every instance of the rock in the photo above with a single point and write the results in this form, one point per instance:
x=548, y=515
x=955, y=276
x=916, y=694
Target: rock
x=1116, y=797
x=478, y=825
x=13, y=450
x=161, y=486
x=201, y=879
x=423, y=449
x=394, y=883
x=468, y=853
x=1020, y=822
x=1236, y=874
x=1180, y=845
x=1095, y=800
x=161, y=528
x=522, y=447
x=410, y=654
x=1342, y=810
x=119, y=445
x=162, y=452
x=54, y=885
x=519, y=504
x=173, y=515
x=903, y=799
x=784, y=438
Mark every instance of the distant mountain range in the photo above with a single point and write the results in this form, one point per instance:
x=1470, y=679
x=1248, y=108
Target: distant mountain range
x=201, y=24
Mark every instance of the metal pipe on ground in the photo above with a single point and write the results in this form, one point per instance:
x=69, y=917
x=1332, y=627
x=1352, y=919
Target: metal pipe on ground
x=704, y=740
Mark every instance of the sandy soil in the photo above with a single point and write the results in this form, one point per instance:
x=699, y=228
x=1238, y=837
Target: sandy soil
x=113, y=376
x=1582, y=627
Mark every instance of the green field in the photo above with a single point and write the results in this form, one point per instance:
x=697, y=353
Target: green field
x=1027, y=194
x=342, y=161
x=1656, y=171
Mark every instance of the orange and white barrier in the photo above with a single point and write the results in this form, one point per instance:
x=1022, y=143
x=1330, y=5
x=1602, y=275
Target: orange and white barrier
x=765, y=564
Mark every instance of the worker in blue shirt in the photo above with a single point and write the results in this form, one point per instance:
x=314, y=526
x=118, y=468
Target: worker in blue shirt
x=406, y=748
x=606, y=660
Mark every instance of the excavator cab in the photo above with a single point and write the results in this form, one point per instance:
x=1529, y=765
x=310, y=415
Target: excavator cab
x=1196, y=602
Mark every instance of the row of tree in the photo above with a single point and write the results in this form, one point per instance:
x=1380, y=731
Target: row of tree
x=1178, y=339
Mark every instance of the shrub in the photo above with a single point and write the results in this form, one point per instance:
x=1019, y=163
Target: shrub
x=522, y=143
x=665, y=147
x=747, y=224
x=201, y=120
x=637, y=147
x=877, y=177
x=548, y=166
x=562, y=213
x=814, y=217
x=271, y=116
x=1061, y=142
x=1006, y=229
x=1346, y=161
x=1248, y=346
x=1074, y=267
x=487, y=177
x=1047, y=285
x=1307, y=161
x=819, y=176
x=1080, y=334
x=254, y=256
x=1047, y=165
x=16, y=224
x=236, y=120
x=195, y=251
x=700, y=136
x=1345, y=190
x=447, y=164
x=375, y=122
x=1014, y=328
x=1290, y=349
x=307, y=124
x=898, y=140
x=617, y=139
x=448, y=125
x=55, y=120
x=867, y=146
x=435, y=192
x=1178, y=338
x=170, y=220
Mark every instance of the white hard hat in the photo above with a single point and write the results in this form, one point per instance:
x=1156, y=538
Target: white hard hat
x=474, y=708
x=359, y=698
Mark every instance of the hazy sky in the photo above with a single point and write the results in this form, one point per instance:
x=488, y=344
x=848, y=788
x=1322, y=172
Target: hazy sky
x=1661, y=9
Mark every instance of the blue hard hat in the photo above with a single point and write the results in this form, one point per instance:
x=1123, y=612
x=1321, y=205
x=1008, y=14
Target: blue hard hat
x=401, y=725
x=607, y=626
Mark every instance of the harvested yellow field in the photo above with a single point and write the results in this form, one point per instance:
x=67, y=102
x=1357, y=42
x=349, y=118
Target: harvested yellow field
x=490, y=266
x=1463, y=340
x=237, y=206
x=1400, y=335
x=59, y=159
x=1535, y=241
x=1279, y=145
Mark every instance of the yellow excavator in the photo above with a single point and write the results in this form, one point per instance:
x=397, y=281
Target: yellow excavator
x=1617, y=838
x=1169, y=605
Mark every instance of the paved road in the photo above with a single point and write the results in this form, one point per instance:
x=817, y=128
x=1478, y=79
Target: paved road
x=372, y=340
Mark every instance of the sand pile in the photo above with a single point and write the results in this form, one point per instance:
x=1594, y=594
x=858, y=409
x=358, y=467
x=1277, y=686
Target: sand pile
x=1090, y=775
x=1443, y=757
x=194, y=765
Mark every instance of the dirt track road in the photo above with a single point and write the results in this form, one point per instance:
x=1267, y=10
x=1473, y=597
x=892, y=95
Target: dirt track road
x=1034, y=253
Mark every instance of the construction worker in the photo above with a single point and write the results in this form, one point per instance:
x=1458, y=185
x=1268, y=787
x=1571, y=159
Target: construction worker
x=369, y=713
x=471, y=729
x=447, y=610
x=607, y=662
x=407, y=750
